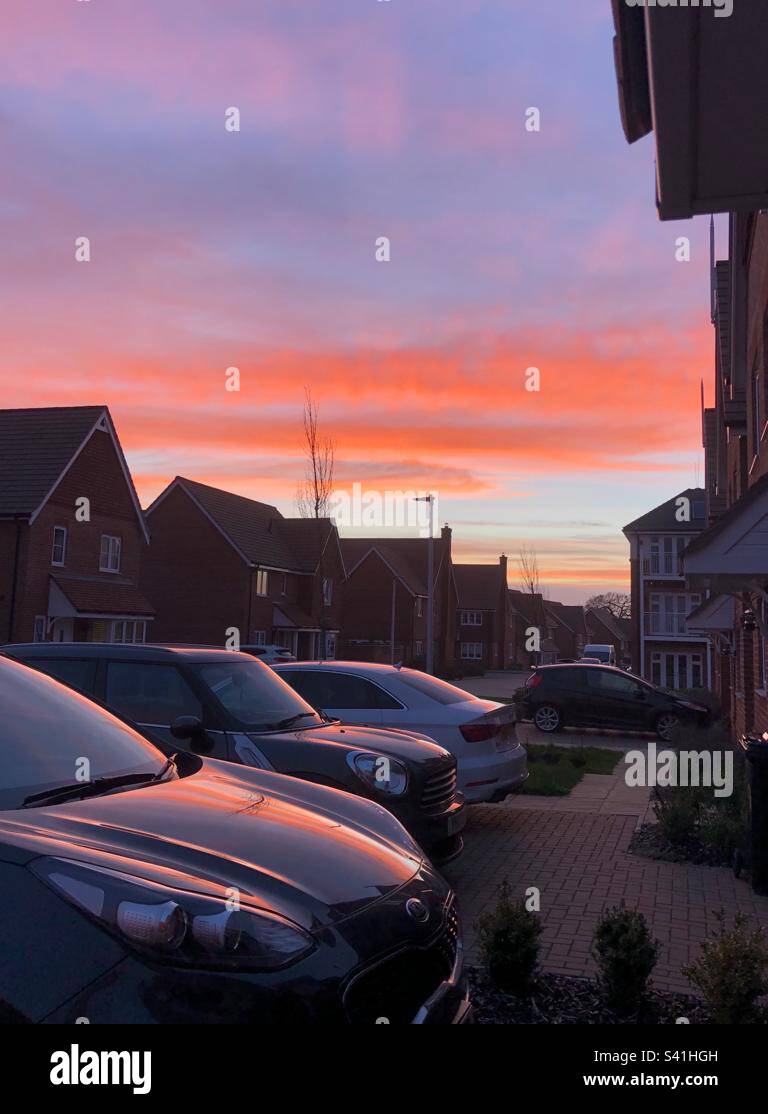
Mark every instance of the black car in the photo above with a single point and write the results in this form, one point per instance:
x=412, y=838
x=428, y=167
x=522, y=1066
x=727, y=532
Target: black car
x=142, y=889
x=230, y=706
x=555, y=696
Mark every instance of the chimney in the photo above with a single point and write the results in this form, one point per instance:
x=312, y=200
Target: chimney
x=446, y=534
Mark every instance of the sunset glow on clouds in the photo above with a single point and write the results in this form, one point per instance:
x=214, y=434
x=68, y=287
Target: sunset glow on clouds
x=360, y=119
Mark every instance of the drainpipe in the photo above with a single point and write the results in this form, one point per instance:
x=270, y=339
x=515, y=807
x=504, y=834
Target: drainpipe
x=15, y=578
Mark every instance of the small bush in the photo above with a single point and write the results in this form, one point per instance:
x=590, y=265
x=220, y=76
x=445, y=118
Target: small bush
x=731, y=974
x=626, y=955
x=677, y=811
x=578, y=757
x=722, y=830
x=509, y=943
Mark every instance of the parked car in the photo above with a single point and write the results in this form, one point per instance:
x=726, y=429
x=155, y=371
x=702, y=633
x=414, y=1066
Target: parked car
x=480, y=733
x=603, y=696
x=604, y=652
x=140, y=888
x=232, y=707
x=269, y=654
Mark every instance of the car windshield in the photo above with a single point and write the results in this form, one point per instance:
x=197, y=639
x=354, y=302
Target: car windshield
x=50, y=737
x=439, y=691
x=255, y=697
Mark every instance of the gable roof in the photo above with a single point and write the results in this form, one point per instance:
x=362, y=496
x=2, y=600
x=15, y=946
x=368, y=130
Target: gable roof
x=664, y=517
x=257, y=531
x=750, y=496
x=570, y=615
x=38, y=445
x=478, y=586
x=620, y=628
x=530, y=607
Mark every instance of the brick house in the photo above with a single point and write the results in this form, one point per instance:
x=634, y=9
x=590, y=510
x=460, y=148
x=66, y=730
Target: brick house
x=385, y=601
x=220, y=561
x=482, y=621
x=566, y=628
x=605, y=628
x=664, y=650
x=72, y=535
x=730, y=559
x=527, y=612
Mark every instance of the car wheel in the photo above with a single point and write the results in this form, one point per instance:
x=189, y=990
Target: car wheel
x=666, y=725
x=547, y=718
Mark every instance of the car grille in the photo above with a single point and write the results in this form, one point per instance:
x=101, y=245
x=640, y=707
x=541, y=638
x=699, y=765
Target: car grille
x=439, y=790
x=398, y=987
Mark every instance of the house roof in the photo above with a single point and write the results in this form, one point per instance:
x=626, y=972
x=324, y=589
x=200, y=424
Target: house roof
x=620, y=628
x=407, y=558
x=294, y=616
x=571, y=615
x=256, y=530
x=750, y=496
x=530, y=607
x=96, y=595
x=478, y=586
x=36, y=445
x=664, y=517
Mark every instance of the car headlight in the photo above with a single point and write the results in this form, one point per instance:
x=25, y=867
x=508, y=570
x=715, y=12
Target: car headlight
x=380, y=772
x=175, y=925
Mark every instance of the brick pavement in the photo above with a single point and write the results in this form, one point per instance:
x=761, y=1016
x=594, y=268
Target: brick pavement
x=574, y=850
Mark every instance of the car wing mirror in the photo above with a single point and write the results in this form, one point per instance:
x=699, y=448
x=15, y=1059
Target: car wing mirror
x=189, y=729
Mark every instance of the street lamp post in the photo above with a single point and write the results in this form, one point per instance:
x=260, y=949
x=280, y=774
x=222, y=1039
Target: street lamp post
x=430, y=500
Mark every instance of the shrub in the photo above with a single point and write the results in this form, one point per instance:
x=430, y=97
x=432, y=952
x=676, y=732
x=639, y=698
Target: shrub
x=626, y=955
x=731, y=973
x=677, y=811
x=509, y=943
x=722, y=830
x=578, y=757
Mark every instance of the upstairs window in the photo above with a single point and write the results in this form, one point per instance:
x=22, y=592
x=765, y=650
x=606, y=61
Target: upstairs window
x=109, y=559
x=471, y=619
x=261, y=583
x=327, y=591
x=59, y=551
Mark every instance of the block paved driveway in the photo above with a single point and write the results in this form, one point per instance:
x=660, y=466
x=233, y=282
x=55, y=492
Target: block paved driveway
x=575, y=850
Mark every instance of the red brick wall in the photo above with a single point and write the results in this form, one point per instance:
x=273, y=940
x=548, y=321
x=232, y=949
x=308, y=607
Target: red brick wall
x=195, y=579
x=367, y=611
x=97, y=475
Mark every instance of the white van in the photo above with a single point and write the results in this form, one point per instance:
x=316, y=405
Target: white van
x=603, y=651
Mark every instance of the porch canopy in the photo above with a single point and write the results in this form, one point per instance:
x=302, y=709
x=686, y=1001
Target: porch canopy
x=731, y=557
x=96, y=598
x=694, y=74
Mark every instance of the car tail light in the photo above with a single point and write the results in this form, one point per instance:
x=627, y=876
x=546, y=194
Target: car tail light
x=479, y=732
x=534, y=680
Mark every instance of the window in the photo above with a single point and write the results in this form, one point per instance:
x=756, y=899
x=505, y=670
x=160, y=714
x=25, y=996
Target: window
x=471, y=651
x=40, y=628
x=36, y=712
x=261, y=583
x=77, y=672
x=419, y=606
x=471, y=619
x=59, y=552
x=330, y=645
x=129, y=630
x=259, y=638
x=327, y=591
x=109, y=559
x=339, y=691
x=610, y=684
x=149, y=692
x=418, y=648
x=439, y=691
x=284, y=586
x=253, y=696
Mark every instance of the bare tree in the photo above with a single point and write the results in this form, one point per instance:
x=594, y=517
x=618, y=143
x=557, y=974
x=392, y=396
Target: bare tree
x=313, y=495
x=528, y=564
x=618, y=603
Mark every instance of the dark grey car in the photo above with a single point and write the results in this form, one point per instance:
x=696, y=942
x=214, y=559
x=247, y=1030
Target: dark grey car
x=228, y=705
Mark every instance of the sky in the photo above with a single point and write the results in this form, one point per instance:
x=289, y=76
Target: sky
x=256, y=249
